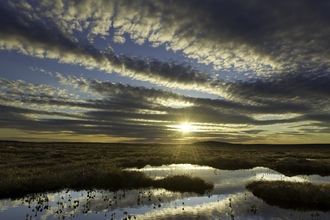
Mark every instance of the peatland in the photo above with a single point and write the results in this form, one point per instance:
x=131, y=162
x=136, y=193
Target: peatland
x=27, y=167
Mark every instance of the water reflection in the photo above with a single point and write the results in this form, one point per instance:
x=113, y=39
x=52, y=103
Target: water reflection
x=228, y=200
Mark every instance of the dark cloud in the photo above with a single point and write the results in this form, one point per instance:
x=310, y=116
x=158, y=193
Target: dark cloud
x=289, y=86
x=292, y=34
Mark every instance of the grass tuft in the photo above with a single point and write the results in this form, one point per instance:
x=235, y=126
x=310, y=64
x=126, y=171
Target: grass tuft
x=293, y=195
x=185, y=183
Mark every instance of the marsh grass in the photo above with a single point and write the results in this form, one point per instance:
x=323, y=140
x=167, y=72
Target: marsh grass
x=293, y=195
x=33, y=171
x=184, y=183
x=36, y=167
x=114, y=180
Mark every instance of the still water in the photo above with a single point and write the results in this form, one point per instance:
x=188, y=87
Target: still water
x=228, y=200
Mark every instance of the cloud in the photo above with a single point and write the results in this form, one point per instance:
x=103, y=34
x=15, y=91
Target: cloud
x=296, y=92
x=279, y=47
x=32, y=37
x=257, y=36
x=130, y=111
x=118, y=39
x=238, y=25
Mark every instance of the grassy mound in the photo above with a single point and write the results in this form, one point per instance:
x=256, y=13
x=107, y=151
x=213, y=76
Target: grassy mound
x=184, y=183
x=293, y=195
x=113, y=179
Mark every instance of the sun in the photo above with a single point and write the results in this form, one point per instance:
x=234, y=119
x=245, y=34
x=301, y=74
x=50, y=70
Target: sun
x=185, y=127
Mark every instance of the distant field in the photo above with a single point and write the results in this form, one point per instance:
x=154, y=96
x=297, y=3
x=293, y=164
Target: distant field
x=22, y=155
x=26, y=164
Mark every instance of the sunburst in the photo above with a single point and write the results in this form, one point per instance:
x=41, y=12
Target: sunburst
x=185, y=127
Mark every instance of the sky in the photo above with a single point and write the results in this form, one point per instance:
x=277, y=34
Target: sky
x=147, y=71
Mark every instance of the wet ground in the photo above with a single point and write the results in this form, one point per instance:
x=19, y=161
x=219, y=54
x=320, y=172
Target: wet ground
x=228, y=200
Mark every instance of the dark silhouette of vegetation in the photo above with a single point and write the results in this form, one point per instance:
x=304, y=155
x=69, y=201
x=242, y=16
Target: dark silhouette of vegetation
x=185, y=183
x=293, y=195
x=114, y=180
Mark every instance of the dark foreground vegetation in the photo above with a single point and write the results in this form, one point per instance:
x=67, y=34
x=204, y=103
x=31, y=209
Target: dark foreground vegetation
x=113, y=179
x=293, y=195
x=39, y=167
